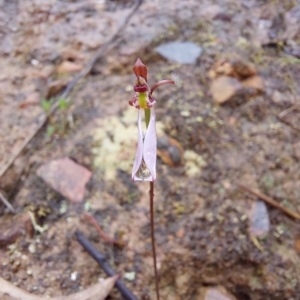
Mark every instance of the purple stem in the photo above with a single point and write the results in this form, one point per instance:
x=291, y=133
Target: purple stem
x=151, y=195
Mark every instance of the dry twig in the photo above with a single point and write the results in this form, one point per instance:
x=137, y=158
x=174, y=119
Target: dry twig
x=105, y=48
x=284, y=113
x=97, y=291
x=6, y=203
x=270, y=201
x=102, y=234
x=287, y=111
x=289, y=124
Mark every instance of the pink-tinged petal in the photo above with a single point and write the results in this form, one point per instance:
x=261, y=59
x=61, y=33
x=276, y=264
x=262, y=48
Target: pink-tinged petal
x=139, y=150
x=150, y=143
x=150, y=102
x=162, y=82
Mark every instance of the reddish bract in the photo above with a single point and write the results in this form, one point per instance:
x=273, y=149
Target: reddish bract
x=140, y=70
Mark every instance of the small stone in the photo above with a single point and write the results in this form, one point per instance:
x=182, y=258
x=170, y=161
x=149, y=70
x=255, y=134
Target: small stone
x=185, y=113
x=224, y=88
x=254, y=82
x=259, y=219
x=63, y=208
x=66, y=177
x=74, y=276
x=180, y=52
x=170, y=151
x=180, y=233
x=68, y=67
x=35, y=62
x=29, y=272
x=14, y=228
x=32, y=248
x=216, y=294
x=130, y=276
x=277, y=97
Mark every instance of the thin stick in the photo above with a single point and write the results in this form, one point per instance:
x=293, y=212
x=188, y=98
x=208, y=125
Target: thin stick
x=108, y=46
x=8, y=205
x=288, y=123
x=102, y=262
x=288, y=110
x=270, y=201
x=151, y=195
x=101, y=233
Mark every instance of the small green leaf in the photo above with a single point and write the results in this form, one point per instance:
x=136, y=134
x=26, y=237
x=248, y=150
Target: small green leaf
x=63, y=103
x=46, y=104
x=50, y=130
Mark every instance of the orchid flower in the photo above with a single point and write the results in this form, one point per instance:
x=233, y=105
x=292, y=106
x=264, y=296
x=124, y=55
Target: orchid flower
x=144, y=167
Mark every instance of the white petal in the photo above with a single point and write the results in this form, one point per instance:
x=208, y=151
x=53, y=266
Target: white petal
x=150, y=143
x=139, y=150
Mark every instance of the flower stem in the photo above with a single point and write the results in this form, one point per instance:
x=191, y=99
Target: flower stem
x=151, y=196
x=147, y=116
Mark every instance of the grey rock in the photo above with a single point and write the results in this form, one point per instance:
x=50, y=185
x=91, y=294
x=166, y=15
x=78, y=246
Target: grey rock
x=259, y=219
x=181, y=52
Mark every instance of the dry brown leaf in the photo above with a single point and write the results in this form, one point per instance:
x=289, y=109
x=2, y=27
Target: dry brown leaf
x=221, y=67
x=242, y=69
x=31, y=99
x=68, y=67
x=55, y=87
x=297, y=243
x=234, y=68
x=97, y=291
x=254, y=82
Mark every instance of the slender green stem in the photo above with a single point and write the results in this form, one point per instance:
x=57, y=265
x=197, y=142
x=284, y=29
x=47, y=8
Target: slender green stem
x=151, y=196
x=147, y=116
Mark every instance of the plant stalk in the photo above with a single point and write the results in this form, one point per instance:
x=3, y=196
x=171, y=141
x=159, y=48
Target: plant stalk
x=151, y=196
x=147, y=116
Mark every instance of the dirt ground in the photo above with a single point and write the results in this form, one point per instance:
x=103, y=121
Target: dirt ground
x=202, y=216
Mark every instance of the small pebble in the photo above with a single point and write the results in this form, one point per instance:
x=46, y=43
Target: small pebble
x=130, y=276
x=74, y=276
x=32, y=248
x=29, y=272
x=180, y=52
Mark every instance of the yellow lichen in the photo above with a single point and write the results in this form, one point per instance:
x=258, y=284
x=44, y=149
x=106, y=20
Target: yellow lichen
x=115, y=140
